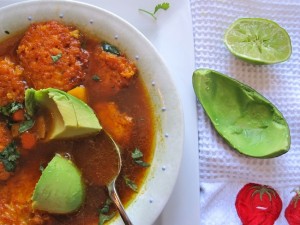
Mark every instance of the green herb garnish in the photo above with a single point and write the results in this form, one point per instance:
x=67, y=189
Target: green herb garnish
x=142, y=163
x=103, y=217
x=163, y=6
x=96, y=77
x=105, y=208
x=110, y=48
x=10, y=108
x=130, y=184
x=26, y=125
x=9, y=157
x=55, y=58
x=137, y=156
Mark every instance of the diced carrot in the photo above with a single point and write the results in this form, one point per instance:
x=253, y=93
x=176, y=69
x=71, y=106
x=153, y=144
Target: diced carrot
x=79, y=92
x=28, y=140
x=18, y=115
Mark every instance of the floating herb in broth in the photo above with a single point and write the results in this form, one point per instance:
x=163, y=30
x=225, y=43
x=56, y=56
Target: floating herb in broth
x=137, y=156
x=131, y=184
x=9, y=157
x=9, y=109
x=104, y=215
x=110, y=48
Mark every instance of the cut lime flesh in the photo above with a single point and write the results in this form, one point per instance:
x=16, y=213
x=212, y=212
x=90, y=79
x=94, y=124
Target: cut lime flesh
x=258, y=40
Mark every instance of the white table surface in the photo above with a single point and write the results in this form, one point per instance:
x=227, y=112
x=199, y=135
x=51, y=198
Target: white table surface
x=172, y=35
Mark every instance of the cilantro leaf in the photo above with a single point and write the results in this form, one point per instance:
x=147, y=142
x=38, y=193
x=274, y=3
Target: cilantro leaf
x=136, y=154
x=130, y=184
x=163, y=6
x=95, y=77
x=110, y=48
x=26, y=125
x=105, y=208
x=10, y=108
x=55, y=58
x=142, y=163
x=103, y=217
x=9, y=157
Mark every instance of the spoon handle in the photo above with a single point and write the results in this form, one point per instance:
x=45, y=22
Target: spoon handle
x=115, y=198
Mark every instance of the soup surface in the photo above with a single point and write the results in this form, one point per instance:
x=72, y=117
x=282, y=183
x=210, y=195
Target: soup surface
x=50, y=54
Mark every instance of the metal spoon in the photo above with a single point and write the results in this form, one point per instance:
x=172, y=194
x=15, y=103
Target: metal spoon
x=112, y=187
x=106, y=158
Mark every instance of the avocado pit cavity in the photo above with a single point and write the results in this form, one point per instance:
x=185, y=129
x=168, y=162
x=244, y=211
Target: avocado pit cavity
x=244, y=118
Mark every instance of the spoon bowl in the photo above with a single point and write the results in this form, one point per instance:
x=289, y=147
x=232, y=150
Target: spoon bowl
x=104, y=168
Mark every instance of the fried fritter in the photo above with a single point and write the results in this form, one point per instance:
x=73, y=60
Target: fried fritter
x=5, y=139
x=51, y=55
x=16, y=213
x=118, y=124
x=12, y=87
x=16, y=204
x=114, y=72
x=122, y=67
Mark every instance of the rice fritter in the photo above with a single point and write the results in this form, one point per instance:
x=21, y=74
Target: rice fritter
x=12, y=87
x=52, y=56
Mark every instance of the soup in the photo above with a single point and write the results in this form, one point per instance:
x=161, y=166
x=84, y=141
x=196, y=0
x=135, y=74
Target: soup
x=51, y=54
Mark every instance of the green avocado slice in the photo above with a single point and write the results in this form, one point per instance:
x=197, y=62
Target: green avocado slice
x=60, y=189
x=244, y=118
x=71, y=117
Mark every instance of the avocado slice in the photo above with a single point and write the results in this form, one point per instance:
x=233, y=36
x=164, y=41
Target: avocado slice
x=60, y=189
x=71, y=117
x=244, y=118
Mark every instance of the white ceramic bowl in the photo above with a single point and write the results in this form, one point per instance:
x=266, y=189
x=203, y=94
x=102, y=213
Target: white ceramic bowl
x=149, y=203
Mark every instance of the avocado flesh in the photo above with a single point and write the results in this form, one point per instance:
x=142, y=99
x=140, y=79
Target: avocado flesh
x=71, y=117
x=60, y=189
x=244, y=118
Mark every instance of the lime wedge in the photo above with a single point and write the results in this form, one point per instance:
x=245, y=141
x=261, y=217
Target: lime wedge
x=258, y=41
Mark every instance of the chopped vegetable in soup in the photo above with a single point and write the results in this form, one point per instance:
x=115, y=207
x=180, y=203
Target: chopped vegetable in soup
x=76, y=86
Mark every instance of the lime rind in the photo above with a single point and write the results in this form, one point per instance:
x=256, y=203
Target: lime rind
x=258, y=41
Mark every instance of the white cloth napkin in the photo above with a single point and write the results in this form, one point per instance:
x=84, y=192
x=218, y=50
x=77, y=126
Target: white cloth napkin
x=223, y=171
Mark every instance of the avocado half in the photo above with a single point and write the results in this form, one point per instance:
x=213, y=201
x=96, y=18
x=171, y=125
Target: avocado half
x=244, y=118
x=60, y=189
x=71, y=117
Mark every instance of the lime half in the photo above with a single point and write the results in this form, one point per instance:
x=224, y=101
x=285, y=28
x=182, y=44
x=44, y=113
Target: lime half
x=259, y=41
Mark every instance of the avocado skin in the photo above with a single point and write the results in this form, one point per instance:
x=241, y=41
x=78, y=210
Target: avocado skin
x=249, y=122
x=60, y=189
